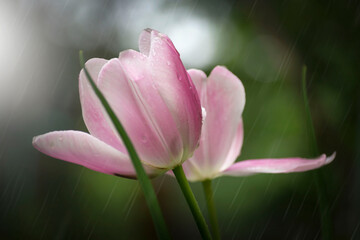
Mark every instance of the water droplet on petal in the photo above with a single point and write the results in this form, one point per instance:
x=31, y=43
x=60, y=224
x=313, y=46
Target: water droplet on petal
x=203, y=113
x=179, y=77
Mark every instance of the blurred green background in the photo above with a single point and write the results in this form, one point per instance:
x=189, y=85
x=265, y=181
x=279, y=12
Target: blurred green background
x=265, y=43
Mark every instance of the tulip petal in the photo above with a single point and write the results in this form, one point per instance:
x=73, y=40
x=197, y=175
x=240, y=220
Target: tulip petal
x=129, y=92
x=95, y=117
x=198, y=77
x=280, y=165
x=193, y=170
x=235, y=147
x=223, y=96
x=83, y=149
x=145, y=41
x=174, y=85
x=153, y=105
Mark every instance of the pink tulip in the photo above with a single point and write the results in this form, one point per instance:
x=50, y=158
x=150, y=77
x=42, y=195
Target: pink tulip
x=153, y=97
x=223, y=96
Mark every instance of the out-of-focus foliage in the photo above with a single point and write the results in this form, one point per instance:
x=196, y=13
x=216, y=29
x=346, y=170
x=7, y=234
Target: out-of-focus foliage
x=265, y=43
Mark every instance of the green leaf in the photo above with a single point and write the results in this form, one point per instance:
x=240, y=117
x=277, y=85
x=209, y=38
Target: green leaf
x=144, y=180
x=324, y=204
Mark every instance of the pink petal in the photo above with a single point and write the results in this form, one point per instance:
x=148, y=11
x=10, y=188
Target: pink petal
x=174, y=85
x=280, y=165
x=235, y=147
x=83, y=149
x=95, y=116
x=150, y=36
x=222, y=95
x=127, y=86
x=198, y=77
x=155, y=110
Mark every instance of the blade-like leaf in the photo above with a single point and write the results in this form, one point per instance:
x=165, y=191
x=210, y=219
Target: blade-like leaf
x=326, y=225
x=144, y=180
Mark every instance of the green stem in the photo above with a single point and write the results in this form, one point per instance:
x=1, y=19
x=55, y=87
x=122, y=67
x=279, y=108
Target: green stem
x=209, y=195
x=144, y=180
x=190, y=198
x=326, y=229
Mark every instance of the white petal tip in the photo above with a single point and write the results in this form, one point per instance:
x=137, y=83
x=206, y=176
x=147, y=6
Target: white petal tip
x=330, y=158
x=34, y=140
x=203, y=113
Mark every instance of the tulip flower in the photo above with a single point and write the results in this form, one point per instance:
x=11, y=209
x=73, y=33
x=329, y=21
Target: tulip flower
x=153, y=97
x=223, y=96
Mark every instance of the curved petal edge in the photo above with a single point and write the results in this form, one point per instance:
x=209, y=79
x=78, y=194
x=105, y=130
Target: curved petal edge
x=85, y=150
x=280, y=165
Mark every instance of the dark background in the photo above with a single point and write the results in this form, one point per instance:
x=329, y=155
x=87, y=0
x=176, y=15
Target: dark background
x=265, y=43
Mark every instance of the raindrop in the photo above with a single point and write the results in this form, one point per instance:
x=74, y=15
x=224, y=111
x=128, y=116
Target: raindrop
x=168, y=63
x=179, y=77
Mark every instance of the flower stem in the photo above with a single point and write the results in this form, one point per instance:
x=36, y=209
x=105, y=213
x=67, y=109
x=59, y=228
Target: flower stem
x=144, y=180
x=211, y=208
x=326, y=229
x=190, y=198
